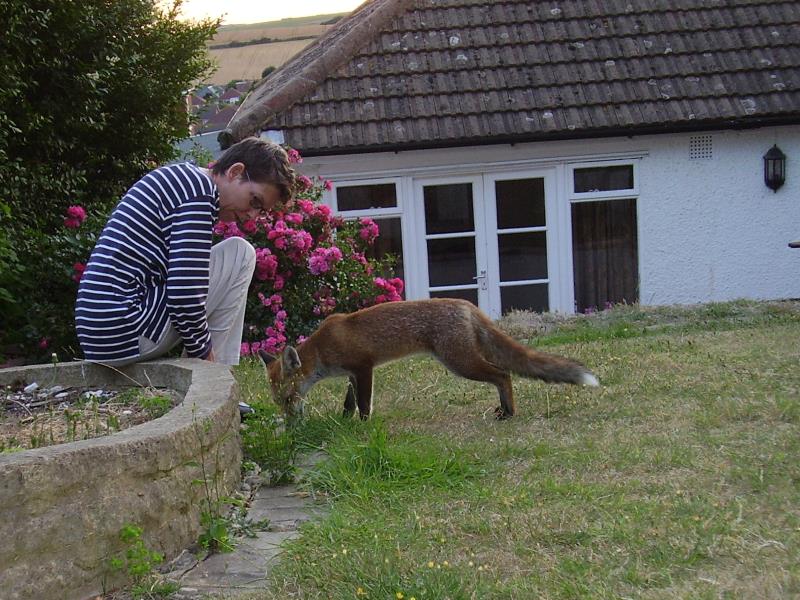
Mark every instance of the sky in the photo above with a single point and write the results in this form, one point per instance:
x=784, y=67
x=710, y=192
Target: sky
x=255, y=11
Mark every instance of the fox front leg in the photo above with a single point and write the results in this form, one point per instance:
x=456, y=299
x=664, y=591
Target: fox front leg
x=350, y=397
x=363, y=379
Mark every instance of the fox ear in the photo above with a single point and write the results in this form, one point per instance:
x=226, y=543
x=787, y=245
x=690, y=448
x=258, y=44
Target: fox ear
x=291, y=360
x=266, y=356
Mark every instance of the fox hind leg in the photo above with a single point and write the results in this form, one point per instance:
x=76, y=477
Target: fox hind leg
x=359, y=394
x=478, y=369
x=507, y=406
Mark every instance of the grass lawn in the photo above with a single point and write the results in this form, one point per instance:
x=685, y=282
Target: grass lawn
x=678, y=478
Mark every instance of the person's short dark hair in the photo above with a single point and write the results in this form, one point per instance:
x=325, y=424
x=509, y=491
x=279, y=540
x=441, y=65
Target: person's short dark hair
x=265, y=162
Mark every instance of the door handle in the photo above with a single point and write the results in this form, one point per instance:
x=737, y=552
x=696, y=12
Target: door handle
x=481, y=278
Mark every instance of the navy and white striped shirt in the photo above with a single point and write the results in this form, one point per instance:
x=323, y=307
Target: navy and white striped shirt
x=150, y=267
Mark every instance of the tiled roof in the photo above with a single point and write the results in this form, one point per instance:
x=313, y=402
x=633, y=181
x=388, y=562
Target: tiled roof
x=429, y=73
x=216, y=119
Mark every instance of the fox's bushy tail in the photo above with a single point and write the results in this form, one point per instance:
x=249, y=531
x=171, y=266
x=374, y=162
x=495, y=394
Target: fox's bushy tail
x=508, y=354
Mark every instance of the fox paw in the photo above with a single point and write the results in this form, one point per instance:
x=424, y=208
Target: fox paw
x=501, y=415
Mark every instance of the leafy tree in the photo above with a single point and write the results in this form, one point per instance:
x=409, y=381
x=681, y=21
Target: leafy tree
x=91, y=97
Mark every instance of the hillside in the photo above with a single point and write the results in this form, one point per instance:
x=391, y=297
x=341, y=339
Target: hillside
x=239, y=55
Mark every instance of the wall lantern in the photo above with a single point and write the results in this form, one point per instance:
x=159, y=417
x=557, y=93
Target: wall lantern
x=774, y=168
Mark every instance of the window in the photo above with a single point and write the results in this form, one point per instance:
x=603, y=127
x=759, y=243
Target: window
x=605, y=245
x=390, y=241
x=591, y=181
x=605, y=253
x=377, y=200
x=603, y=179
x=366, y=197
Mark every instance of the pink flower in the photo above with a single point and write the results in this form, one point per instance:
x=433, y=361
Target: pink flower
x=305, y=182
x=245, y=349
x=266, y=264
x=44, y=343
x=301, y=339
x=324, y=210
x=369, y=230
x=294, y=156
x=78, y=269
x=76, y=215
x=227, y=230
x=249, y=227
x=317, y=264
x=323, y=259
x=301, y=241
x=294, y=218
x=307, y=206
x=327, y=184
x=273, y=303
x=392, y=288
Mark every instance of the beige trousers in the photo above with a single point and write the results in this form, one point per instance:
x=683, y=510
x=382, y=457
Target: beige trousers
x=231, y=268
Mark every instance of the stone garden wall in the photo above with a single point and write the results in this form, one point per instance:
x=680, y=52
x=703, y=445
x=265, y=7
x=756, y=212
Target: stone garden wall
x=62, y=507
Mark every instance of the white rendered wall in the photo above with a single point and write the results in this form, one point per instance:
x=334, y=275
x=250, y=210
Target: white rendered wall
x=709, y=229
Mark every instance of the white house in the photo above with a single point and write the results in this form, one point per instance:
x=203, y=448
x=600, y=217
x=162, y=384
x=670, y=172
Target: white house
x=556, y=155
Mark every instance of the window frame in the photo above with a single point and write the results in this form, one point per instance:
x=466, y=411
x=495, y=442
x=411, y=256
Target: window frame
x=391, y=211
x=622, y=193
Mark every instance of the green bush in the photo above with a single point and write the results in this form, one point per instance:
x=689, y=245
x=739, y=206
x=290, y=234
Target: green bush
x=91, y=97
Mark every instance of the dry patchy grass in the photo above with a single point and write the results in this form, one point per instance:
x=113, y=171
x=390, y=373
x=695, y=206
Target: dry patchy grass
x=679, y=478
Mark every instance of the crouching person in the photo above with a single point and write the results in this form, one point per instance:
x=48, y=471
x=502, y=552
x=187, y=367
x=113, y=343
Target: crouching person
x=154, y=279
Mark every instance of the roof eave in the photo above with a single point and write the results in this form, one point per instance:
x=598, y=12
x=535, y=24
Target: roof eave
x=633, y=131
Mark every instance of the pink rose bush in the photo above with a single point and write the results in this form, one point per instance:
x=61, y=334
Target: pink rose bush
x=309, y=264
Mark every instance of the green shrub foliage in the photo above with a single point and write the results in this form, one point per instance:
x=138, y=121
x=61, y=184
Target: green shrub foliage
x=91, y=97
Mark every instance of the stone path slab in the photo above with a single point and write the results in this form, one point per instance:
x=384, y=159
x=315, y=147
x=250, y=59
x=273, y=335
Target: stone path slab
x=248, y=566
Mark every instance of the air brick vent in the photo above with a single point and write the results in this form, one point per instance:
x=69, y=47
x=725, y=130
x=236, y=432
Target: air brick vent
x=701, y=147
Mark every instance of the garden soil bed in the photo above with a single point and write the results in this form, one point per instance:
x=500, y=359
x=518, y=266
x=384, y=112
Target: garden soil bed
x=34, y=417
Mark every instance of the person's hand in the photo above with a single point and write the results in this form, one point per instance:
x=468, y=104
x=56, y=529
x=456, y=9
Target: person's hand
x=210, y=356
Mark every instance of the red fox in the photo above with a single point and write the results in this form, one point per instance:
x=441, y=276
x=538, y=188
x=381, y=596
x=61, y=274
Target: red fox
x=457, y=333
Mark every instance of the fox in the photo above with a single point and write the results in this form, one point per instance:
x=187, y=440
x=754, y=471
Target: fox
x=454, y=331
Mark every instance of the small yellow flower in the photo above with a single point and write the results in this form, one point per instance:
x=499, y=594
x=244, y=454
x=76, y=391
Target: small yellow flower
x=399, y=595
x=430, y=564
x=471, y=564
x=361, y=592
x=446, y=564
x=344, y=550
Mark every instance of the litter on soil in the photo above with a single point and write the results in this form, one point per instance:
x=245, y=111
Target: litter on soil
x=32, y=416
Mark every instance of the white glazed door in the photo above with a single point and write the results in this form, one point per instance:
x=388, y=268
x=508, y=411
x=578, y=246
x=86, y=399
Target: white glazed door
x=486, y=239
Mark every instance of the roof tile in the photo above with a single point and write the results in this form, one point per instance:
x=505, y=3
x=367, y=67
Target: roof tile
x=438, y=72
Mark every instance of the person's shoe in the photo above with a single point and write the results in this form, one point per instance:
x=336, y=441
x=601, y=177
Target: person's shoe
x=245, y=409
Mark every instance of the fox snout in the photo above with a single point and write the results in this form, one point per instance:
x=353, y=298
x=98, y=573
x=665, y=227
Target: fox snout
x=284, y=389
